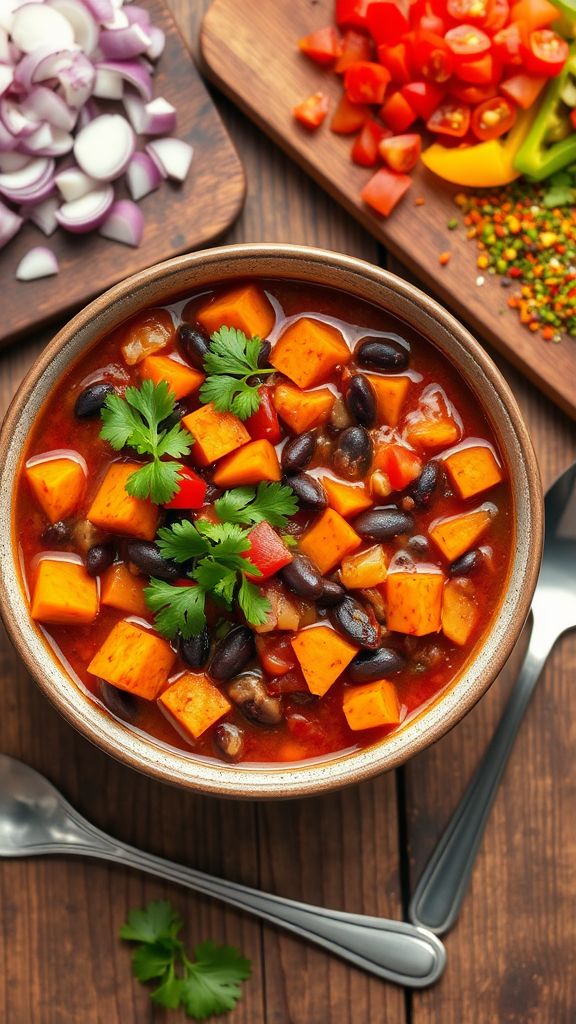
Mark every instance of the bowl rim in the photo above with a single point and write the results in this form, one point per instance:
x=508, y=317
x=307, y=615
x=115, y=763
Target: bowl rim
x=433, y=721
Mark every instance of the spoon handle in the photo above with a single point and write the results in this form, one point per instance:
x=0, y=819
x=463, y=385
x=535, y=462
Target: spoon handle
x=443, y=883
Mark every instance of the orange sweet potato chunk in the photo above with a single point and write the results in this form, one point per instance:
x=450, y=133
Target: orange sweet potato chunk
x=323, y=655
x=116, y=511
x=302, y=410
x=64, y=594
x=328, y=540
x=365, y=569
x=346, y=499
x=309, y=351
x=254, y=462
x=455, y=535
x=134, y=659
x=193, y=704
x=390, y=397
x=432, y=433
x=147, y=333
x=215, y=433
x=245, y=308
x=372, y=704
x=58, y=485
x=181, y=379
x=121, y=589
x=473, y=470
x=414, y=602
x=459, y=613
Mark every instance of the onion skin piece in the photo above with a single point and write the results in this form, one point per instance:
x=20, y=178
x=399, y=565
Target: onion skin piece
x=36, y=263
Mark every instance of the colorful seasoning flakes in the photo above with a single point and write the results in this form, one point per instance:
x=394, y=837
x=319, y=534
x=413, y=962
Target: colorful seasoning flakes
x=531, y=244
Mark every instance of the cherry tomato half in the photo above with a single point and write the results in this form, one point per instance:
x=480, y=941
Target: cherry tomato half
x=472, y=94
x=450, y=119
x=397, y=113
x=365, y=146
x=492, y=119
x=432, y=55
x=498, y=16
x=355, y=46
x=401, y=152
x=365, y=82
x=482, y=71
x=467, y=41
x=475, y=11
x=546, y=53
x=423, y=97
x=507, y=43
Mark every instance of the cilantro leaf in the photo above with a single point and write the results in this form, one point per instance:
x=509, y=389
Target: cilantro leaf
x=153, y=959
x=212, y=985
x=231, y=360
x=169, y=993
x=157, y=921
x=182, y=541
x=254, y=605
x=156, y=480
x=270, y=502
x=176, y=609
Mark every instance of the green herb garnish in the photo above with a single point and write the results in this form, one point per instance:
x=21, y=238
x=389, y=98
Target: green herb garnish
x=270, y=502
x=209, y=984
x=230, y=362
x=135, y=421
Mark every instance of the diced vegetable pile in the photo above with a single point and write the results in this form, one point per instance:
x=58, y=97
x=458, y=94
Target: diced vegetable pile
x=268, y=525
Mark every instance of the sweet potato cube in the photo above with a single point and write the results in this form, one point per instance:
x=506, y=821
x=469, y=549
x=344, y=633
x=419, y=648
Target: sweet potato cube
x=432, y=433
x=64, y=594
x=309, y=351
x=216, y=433
x=192, y=704
x=146, y=334
x=455, y=535
x=414, y=602
x=58, y=486
x=181, y=379
x=254, y=462
x=134, y=659
x=372, y=704
x=346, y=499
x=390, y=397
x=365, y=569
x=245, y=308
x=121, y=589
x=473, y=470
x=459, y=613
x=323, y=655
x=116, y=511
x=302, y=410
x=328, y=540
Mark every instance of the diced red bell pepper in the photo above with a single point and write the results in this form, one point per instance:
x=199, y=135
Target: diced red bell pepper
x=397, y=113
x=191, y=492
x=365, y=82
x=384, y=190
x=472, y=94
x=349, y=117
x=323, y=46
x=386, y=22
x=365, y=146
x=400, y=464
x=396, y=60
x=401, y=152
x=311, y=112
x=351, y=13
x=423, y=97
x=355, y=46
x=267, y=552
x=523, y=89
x=276, y=654
x=483, y=71
x=264, y=424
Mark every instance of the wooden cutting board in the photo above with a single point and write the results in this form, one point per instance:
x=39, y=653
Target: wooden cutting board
x=178, y=218
x=254, y=59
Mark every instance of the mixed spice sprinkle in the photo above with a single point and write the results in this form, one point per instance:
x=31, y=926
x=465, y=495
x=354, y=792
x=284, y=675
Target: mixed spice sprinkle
x=526, y=233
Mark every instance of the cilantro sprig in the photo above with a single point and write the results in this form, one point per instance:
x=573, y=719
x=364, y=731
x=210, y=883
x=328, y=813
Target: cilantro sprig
x=231, y=360
x=209, y=984
x=270, y=502
x=135, y=421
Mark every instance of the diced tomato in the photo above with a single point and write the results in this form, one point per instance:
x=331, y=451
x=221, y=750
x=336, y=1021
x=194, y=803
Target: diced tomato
x=472, y=94
x=507, y=43
x=264, y=424
x=498, y=15
x=523, y=89
x=401, y=152
x=191, y=492
x=287, y=683
x=365, y=82
x=534, y=13
x=397, y=113
x=474, y=12
x=431, y=22
x=349, y=117
x=384, y=190
x=494, y=118
x=355, y=46
x=267, y=552
x=396, y=60
x=432, y=56
x=401, y=465
x=423, y=97
x=323, y=46
x=450, y=119
x=467, y=41
x=276, y=654
x=303, y=728
x=351, y=13
x=386, y=22
x=482, y=71
x=545, y=53
x=311, y=112
x=365, y=146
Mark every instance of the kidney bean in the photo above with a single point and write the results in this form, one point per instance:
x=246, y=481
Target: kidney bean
x=195, y=650
x=146, y=555
x=56, y=533
x=379, y=664
x=423, y=488
x=249, y=693
x=466, y=564
x=193, y=343
x=390, y=352
x=99, y=558
x=353, y=453
x=361, y=400
x=91, y=400
x=232, y=653
x=179, y=411
x=302, y=577
x=309, y=491
x=383, y=523
x=297, y=453
x=229, y=740
x=351, y=618
x=332, y=593
x=122, y=704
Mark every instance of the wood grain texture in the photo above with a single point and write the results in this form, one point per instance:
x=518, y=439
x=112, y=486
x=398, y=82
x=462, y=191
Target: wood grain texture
x=255, y=61
x=178, y=218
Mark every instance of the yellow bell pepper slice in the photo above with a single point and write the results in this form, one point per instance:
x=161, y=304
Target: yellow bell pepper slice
x=486, y=165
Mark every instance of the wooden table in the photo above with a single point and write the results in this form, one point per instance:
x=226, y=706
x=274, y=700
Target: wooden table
x=512, y=955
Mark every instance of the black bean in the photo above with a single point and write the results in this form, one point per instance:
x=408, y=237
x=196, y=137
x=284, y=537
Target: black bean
x=91, y=400
x=302, y=577
x=229, y=739
x=361, y=400
x=423, y=488
x=388, y=352
x=297, y=453
x=353, y=453
x=419, y=544
x=383, y=523
x=370, y=665
x=56, y=533
x=351, y=618
x=232, y=653
x=195, y=651
x=466, y=564
x=193, y=343
x=310, y=492
x=331, y=594
x=264, y=355
x=146, y=555
x=179, y=411
x=99, y=558
x=122, y=704
x=250, y=694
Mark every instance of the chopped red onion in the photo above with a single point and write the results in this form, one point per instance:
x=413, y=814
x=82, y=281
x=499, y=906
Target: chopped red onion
x=142, y=176
x=157, y=43
x=133, y=72
x=38, y=262
x=124, y=223
x=37, y=24
x=124, y=43
x=108, y=85
x=43, y=215
x=134, y=106
x=10, y=224
x=6, y=78
x=43, y=104
x=159, y=117
x=84, y=27
x=77, y=80
x=87, y=213
x=14, y=120
x=137, y=16
x=32, y=176
x=72, y=184
x=104, y=147
x=173, y=157
x=10, y=162
x=101, y=10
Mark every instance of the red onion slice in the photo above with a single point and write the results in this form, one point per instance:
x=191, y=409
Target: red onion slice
x=43, y=214
x=104, y=147
x=6, y=78
x=83, y=25
x=137, y=16
x=29, y=176
x=133, y=72
x=72, y=184
x=159, y=117
x=108, y=85
x=124, y=43
x=101, y=10
x=43, y=104
x=38, y=262
x=15, y=120
x=77, y=80
x=37, y=25
x=142, y=176
x=124, y=223
x=10, y=162
x=86, y=213
x=135, y=108
x=10, y=224
x=173, y=157
x=157, y=43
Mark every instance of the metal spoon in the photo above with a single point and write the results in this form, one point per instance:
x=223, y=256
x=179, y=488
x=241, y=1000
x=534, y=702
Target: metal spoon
x=441, y=888
x=36, y=819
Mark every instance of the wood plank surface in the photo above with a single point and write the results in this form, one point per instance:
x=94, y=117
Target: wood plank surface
x=178, y=218
x=255, y=60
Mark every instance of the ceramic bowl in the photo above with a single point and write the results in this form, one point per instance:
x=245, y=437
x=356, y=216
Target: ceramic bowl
x=161, y=284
